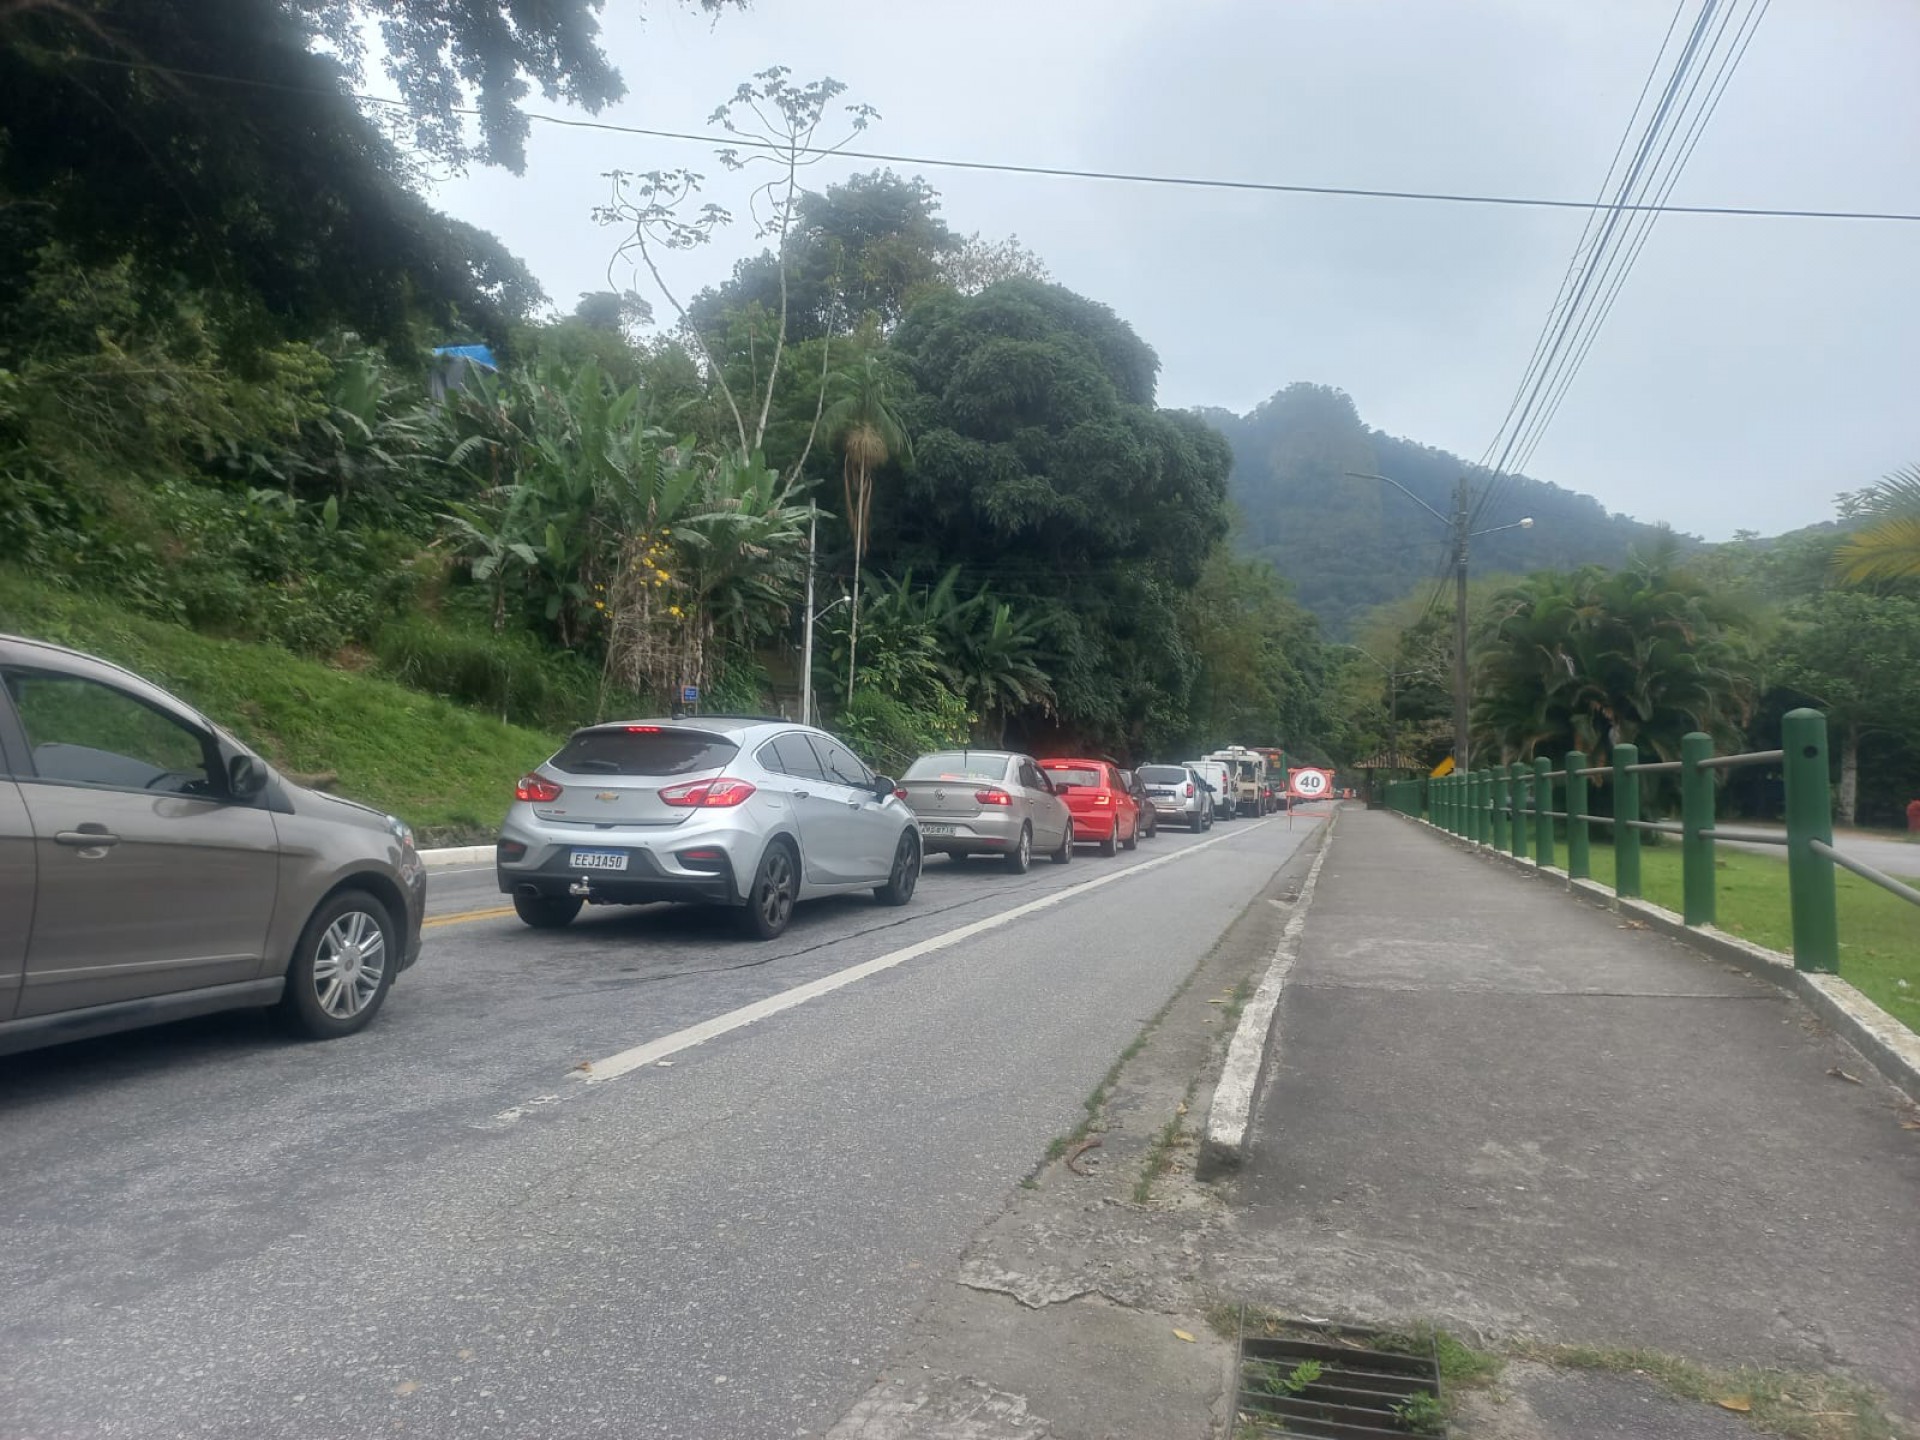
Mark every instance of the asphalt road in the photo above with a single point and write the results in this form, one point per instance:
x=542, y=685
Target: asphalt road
x=443, y=1227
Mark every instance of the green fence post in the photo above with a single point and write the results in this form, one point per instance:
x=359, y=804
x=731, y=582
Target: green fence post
x=1626, y=839
x=1453, y=803
x=1696, y=824
x=1816, y=919
x=1517, y=773
x=1500, y=807
x=1483, y=806
x=1543, y=812
x=1579, y=866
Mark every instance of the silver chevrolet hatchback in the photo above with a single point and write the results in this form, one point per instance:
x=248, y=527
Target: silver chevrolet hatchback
x=153, y=868
x=749, y=813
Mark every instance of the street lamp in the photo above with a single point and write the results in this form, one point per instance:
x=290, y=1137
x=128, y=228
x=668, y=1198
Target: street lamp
x=1456, y=524
x=806, y=653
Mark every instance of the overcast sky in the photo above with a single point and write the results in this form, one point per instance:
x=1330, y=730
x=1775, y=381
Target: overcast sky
x=1751, y=369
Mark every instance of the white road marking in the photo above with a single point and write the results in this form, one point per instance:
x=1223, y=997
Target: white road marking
x=654, y=1051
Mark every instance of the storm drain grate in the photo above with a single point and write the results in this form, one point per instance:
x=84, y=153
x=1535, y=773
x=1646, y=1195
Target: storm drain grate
x=1335, y=1383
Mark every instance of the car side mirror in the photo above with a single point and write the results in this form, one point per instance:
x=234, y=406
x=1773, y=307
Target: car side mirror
x=246, y=777
x=884, y=786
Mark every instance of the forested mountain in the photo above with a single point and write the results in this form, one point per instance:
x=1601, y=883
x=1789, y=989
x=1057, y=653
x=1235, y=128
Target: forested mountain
x=1348, y=545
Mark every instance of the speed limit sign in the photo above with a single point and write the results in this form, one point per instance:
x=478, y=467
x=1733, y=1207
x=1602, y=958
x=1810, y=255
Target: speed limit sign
x=1312, y=784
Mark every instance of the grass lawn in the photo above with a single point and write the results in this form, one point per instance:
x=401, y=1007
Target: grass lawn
x=446, y=770
x=1879, y=933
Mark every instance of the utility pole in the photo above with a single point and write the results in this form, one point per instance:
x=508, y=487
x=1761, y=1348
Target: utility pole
x=806, y=632
x=1457, y=536
x=1461, y=497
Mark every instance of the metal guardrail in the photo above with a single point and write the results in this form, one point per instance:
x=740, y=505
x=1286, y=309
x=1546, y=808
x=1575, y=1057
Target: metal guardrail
x=1511, y=808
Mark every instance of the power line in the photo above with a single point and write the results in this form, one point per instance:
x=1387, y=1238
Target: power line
x=1581, y=247
x=1062, y=172
x=1716, y=88
x=1562, y=319
x=1599, y=270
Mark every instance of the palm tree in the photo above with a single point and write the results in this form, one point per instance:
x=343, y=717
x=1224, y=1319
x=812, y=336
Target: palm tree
x=861, y=418
x=1596, y=658
x=1889, y=547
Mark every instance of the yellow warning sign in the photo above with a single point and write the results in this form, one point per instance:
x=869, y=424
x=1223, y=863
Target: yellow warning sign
x=1445, y=767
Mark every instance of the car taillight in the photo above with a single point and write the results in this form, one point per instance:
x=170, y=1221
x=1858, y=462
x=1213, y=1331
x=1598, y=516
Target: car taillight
x=1189, y=789
x=721, y=794
x=899, y=792
x=992, y=797
x=1102, y=798
x=536, y=788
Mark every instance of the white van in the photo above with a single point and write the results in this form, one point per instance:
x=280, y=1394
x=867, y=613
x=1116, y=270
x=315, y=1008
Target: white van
x=1216, y=774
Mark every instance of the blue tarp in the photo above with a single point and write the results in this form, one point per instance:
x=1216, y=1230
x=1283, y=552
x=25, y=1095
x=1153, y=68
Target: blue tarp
x=478, y=354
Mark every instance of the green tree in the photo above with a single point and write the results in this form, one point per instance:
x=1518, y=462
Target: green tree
x=1043, y=469
x=1593, y=658
x=1887, y=547
x=218, y=142
x=1857, y=656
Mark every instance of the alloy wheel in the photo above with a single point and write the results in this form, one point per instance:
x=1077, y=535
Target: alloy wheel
x=350, y=964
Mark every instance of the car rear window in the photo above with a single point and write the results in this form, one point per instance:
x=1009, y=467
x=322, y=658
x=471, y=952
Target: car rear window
x=1075, y=775
x=642, y=752
x=1163, y=774
x=957, y=766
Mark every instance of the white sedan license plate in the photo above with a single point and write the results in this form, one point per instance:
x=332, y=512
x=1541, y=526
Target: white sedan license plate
x=599, y=860
x=926, y=829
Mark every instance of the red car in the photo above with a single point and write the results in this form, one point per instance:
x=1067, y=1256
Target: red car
x=1104, y=813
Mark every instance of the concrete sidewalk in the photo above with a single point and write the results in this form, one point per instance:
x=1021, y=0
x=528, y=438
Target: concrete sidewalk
x=1496, y=1108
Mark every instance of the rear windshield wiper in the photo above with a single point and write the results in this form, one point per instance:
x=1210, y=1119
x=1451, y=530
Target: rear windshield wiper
x=608, y=767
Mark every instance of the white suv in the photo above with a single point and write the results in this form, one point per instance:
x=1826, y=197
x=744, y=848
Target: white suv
x=751, y=813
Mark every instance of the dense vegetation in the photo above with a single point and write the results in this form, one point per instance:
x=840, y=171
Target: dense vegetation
x=222, y=418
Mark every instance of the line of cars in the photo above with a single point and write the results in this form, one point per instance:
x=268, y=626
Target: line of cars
x=761, y=814
x=153, y=867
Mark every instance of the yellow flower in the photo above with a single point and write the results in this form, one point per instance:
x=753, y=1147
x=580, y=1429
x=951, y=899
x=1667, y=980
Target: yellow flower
x=674, y=610
x=662, y=575
x=599, y=604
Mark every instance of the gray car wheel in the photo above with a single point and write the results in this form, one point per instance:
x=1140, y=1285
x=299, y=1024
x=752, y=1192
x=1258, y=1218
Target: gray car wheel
x=776, y=884
x=905, y=874
x=1064, y=855
x=1021, y=856
x=342, y=968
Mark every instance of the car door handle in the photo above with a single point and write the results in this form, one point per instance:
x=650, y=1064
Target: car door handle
x=93, y=837
x=803, y=794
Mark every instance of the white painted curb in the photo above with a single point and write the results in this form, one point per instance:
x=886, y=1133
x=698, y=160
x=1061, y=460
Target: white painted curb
x=453, y=855
x=1230, y=1116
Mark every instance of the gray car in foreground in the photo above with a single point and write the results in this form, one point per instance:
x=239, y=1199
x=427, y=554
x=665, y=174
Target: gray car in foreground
x=153, y=868
x=988, y=802
x=755, y=814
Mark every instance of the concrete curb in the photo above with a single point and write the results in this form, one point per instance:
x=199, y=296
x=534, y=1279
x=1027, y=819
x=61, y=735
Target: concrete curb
x=454, y=855
x=1230, y=1115
x=1890, y=1047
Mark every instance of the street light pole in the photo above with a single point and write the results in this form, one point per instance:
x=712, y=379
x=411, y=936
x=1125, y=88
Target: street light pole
x=1460, y=738
x=806, y=639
